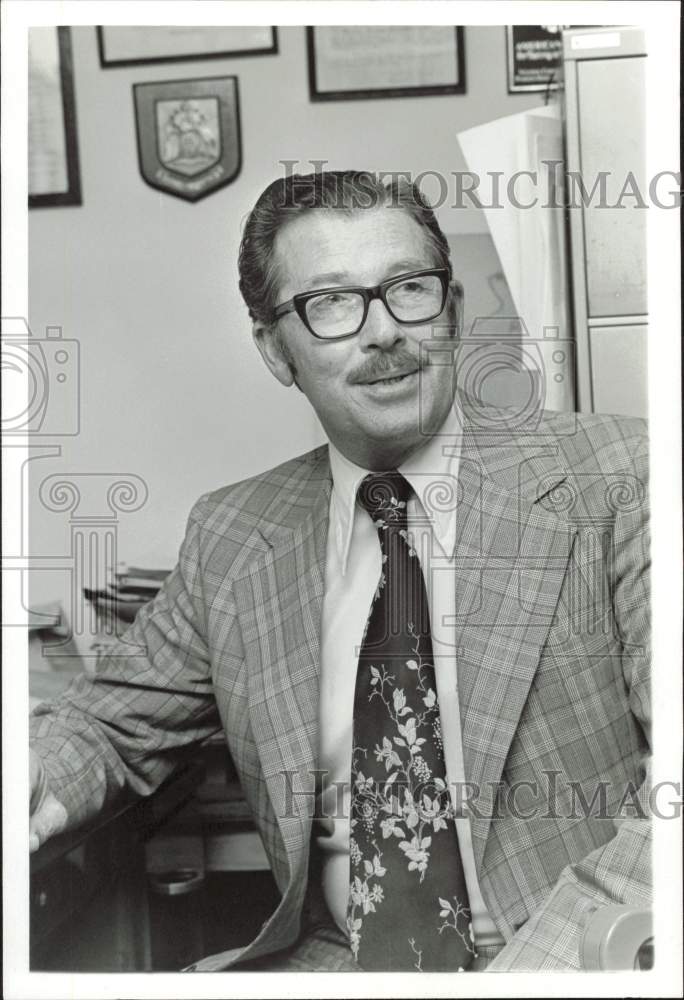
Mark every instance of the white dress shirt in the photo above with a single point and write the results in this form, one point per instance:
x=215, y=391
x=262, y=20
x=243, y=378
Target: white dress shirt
x=351, y=576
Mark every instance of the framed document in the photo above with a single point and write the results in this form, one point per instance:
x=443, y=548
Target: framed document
x=354, y=62
x=135, y=45
x=53, y=169
x=534, y=55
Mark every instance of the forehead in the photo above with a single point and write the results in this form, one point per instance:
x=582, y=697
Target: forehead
x=358, y=247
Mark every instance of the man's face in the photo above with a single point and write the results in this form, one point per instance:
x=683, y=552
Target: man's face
x=375, y=393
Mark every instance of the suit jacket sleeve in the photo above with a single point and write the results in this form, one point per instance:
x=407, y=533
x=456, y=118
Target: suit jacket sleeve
x=620, y=870
x=152, y=697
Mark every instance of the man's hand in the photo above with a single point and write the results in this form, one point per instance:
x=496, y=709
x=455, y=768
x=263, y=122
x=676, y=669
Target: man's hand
x=48, y=815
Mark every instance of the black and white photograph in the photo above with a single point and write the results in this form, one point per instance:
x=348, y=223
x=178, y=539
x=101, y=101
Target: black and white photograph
x=342, y=515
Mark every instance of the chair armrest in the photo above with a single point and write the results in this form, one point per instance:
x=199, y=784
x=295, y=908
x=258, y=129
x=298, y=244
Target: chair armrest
x=614, y=938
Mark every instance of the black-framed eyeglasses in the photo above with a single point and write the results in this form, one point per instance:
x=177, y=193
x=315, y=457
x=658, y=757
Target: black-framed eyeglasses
x=335, y=313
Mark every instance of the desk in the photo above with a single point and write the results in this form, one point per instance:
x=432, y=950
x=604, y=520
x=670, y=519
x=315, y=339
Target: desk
x=89, y=907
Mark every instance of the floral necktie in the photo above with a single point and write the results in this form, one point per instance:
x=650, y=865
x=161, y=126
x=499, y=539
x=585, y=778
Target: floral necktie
x=408, y=904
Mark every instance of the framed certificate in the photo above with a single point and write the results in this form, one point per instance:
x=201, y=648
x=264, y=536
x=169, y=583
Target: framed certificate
x=534, y=55
x=53, y=169
x=135, y=45
x=357, y=62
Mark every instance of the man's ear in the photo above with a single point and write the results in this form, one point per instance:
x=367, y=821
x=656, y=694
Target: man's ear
x=273, y=352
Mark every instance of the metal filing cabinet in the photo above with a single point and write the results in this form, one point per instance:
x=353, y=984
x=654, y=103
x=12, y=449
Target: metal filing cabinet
x=605, y=98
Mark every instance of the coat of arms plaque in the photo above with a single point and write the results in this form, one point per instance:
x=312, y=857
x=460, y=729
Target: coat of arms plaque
x=189, y=135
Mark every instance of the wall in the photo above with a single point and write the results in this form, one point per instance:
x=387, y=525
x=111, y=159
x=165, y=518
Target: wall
x=173, y=389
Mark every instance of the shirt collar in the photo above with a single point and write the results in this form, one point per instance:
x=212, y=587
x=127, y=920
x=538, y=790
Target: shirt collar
x=432, y=471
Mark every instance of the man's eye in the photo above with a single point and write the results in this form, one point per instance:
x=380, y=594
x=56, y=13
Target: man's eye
x=332, y=300
x=411, y=287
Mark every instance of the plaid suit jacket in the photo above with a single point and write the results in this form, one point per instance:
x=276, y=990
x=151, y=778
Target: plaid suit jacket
x=552, y=623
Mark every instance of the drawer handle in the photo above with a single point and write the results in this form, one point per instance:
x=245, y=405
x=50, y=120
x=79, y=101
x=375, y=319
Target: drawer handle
x=179, y=882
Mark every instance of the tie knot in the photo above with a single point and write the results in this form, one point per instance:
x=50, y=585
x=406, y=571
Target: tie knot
x=384, y=496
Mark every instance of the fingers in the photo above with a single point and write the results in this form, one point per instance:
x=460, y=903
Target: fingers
x=49, y=819
x=48, y=815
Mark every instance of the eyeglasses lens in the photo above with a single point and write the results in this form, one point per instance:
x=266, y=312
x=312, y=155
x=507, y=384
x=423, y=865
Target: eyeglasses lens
x=416, y=298
x=335, y=314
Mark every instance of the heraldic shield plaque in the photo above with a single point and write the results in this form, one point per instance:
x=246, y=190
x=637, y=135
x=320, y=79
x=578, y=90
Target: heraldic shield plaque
x=189, y=135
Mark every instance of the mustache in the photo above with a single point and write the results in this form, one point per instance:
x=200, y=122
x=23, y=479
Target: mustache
x=377, y=366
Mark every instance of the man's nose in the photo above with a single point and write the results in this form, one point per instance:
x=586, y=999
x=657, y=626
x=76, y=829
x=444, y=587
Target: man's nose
x=380, y=329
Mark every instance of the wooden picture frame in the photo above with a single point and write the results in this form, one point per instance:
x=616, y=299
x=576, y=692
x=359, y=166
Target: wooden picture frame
x=362, y=75
x=54, y=169
x=138, y=45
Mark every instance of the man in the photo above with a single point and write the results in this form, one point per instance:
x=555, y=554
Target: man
x=426, y=643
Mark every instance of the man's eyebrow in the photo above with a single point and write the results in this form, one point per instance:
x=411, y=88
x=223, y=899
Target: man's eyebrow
x=408, y=264
x=330, y=279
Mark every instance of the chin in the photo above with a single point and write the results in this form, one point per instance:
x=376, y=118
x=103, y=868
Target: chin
x=396, y=433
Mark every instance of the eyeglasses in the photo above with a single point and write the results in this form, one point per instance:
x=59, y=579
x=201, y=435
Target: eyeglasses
x=336, y=313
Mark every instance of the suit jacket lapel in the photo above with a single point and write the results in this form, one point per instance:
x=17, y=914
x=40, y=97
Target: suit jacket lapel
x=279, y=603
x=511, y=557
